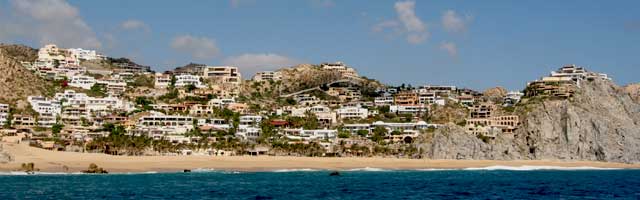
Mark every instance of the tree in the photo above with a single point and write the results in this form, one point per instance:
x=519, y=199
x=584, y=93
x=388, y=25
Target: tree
x=56, y=128
x=190, y=88
x=172, y=84
x=97, y=90
x=144, y=103
x=384, y=109
x=310, y=121
x=363, y=133
x=378, y=134
x=344, y=134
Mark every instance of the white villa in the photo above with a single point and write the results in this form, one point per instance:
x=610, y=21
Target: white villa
x=82, y=81
x=354, y=112
x=266, y=76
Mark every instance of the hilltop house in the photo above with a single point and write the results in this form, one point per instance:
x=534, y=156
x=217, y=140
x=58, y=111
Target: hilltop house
x=4, y=114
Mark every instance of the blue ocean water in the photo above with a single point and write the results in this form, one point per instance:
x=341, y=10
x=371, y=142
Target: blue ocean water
x=371, y=185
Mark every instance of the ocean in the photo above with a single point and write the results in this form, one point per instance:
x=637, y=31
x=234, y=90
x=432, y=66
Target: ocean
x=367, y=183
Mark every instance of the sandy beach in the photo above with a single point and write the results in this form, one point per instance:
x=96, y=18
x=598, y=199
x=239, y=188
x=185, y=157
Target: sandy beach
x=52, y=161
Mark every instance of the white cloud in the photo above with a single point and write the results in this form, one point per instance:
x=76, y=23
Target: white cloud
x=49, y=21
x=198, y=47
x=408, y=23
x=450, y=48
x=134, y=24
x=452, y=22
x=249, y=63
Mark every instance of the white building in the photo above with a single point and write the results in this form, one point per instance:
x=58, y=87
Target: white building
x=45, y=106
x=403, y=127
x=344, y=70
x=512, y=98
x=251, y=120
x=352, y=113
x=83, y=54
x=414, y=110
x=221, y=102
x=317, y=134
x=248, y=132
x=184, y=80
x=223, y=74
x=266, y=76
x=82, y=81
x=383, y=101
x=4, y=114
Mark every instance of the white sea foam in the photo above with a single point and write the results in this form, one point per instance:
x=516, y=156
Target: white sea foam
x=296, y=170
x=369, y=169
x=434, y=169
x=530, y=168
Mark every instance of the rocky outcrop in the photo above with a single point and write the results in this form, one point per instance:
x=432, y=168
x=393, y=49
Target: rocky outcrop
x=601, y=123
x=634, y=91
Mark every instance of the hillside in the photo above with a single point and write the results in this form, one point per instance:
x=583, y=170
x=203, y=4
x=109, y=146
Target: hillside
x=601, y=123
x=18, y=82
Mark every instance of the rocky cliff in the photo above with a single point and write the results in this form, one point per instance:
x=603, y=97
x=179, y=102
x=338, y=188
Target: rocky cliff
x=601, y=123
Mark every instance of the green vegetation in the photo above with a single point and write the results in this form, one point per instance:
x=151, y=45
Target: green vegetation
x=142, y=81
x=97, y=90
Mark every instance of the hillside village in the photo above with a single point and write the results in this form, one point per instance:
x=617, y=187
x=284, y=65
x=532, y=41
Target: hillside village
x=95, y=103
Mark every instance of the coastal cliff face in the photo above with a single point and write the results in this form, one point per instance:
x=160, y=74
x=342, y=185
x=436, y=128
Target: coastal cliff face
x=601, y=123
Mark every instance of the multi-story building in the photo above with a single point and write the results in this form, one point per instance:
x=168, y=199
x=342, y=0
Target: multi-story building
x=383, y=101
x=250, y=120
x=162, y=80
x=82, y=54
x=166, y=121
x=340, y=67
x=352, y=113
x=266, y=76
x=406, y=98
x=183, y=80
x=45, y=106
x=413, y=110
x=223, y=74
x=481, y=111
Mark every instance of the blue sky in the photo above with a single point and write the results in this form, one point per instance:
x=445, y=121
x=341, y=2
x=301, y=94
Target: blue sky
x=476, y=44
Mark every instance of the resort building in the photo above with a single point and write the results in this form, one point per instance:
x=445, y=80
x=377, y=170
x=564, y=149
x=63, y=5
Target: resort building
x=481, y=111
x=340, y=67
x=82, y=54
x=44, y=106
x=266, y=76
x=438, y=90
x=223, y=74
x=403, y=127
x=166, y=121
x=248, y=132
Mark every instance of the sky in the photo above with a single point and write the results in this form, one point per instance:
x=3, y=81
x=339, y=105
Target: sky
x=473, y=44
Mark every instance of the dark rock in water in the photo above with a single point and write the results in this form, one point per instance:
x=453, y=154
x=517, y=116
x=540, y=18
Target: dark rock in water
x=334, y=173
x=186, y=170
x=94, y=169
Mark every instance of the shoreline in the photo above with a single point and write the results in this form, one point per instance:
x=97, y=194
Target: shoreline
x=70, y=162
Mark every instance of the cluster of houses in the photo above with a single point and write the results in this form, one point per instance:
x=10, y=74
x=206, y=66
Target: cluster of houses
x=83, y=115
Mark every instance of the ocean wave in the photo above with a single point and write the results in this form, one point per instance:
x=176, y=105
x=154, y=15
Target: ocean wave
x=531, y=168
x=295, y=170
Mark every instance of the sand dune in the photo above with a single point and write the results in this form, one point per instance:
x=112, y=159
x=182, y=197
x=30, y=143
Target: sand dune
x=52, y=161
